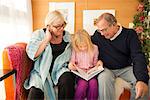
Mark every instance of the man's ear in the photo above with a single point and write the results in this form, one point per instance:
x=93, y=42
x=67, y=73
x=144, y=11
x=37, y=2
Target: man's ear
x=114, y=24
x=148, y=70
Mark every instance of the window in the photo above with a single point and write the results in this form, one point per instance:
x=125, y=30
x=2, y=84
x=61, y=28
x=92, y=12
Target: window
x=15, y=25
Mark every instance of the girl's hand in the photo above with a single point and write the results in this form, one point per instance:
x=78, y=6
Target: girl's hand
x=99, y=63
x=72, y=66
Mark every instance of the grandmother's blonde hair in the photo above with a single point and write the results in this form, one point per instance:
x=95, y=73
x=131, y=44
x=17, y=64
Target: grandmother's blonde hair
x=79, y=37
x=53, y=16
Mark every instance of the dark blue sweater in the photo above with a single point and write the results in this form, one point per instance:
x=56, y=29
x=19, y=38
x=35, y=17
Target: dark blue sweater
x=123, y=51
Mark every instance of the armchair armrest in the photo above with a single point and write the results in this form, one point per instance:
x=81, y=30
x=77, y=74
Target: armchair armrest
x=19, y=61
x=5, y=75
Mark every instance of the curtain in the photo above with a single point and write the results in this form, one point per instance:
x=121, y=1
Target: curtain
x=15, y=25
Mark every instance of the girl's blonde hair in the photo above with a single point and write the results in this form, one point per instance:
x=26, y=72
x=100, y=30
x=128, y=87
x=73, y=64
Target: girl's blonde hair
x=82, y=36
x=52, y=17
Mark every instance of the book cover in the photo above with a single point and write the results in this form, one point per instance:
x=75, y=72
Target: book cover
x=88, y=75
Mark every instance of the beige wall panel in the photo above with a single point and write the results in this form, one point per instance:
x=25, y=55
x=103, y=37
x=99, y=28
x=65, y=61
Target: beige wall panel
x=125, y=10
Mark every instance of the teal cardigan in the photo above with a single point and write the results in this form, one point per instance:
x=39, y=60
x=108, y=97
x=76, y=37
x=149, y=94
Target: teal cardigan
x=40, y=76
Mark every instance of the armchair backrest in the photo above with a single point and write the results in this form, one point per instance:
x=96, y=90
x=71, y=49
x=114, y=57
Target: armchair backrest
x=15, y=57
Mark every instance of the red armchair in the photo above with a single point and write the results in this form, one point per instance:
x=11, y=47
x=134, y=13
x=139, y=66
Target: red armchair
x=15, y=57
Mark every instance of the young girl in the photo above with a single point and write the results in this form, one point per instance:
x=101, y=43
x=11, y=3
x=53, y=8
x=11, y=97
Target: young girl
x=84, y=56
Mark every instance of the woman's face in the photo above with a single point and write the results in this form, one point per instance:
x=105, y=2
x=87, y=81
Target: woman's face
x=57, y=28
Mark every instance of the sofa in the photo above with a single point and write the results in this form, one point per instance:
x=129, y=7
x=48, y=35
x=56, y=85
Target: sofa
x=15, y=58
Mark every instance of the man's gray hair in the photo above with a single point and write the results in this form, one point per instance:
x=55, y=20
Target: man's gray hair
x=108, y=17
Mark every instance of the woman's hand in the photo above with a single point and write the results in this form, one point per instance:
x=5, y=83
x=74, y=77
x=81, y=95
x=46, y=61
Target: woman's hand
x=72, y=66
x=48, y=34
x=44, y=42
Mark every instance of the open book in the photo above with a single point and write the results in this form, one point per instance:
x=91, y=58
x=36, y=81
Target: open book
x=88, y=75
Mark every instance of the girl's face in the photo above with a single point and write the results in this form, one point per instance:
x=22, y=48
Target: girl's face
x=82, y=46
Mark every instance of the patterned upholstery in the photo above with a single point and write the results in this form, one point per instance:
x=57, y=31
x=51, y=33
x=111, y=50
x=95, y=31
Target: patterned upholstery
x=18, y=60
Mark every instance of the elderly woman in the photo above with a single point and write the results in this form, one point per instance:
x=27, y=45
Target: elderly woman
x=50, y=49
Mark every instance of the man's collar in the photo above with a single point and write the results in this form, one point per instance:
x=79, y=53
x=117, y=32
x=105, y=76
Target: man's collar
x=119, y=31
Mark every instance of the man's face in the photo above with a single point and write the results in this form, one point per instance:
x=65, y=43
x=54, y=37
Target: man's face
x=105, y=29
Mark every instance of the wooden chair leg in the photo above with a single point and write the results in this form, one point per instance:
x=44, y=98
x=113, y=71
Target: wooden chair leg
x=9, y=81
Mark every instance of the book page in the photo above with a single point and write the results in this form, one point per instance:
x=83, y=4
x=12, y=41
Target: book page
x=81, y=73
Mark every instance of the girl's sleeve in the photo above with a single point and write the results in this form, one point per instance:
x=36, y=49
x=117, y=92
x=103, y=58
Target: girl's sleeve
x=96, y=53
x=73, y=57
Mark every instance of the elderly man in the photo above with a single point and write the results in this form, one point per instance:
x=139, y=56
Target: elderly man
x=121, y=54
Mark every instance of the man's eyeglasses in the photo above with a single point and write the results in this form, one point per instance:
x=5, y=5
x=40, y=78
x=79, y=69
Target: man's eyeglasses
x=105, y=29
x=58, y=27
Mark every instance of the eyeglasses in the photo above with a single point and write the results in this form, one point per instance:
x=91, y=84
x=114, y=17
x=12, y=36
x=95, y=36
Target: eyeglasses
x=58, y=27
x=105, y=29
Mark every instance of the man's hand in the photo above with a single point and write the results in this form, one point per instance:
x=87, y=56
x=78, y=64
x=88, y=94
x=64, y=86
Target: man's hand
x=141, y=89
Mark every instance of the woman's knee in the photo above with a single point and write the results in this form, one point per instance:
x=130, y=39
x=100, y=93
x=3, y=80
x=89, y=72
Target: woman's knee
x=67, y=79
x=66, y=86
x=35, y=93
